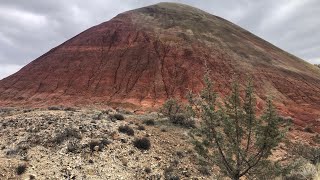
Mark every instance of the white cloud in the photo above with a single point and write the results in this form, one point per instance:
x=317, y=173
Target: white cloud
x=280, y=13
x=30, y=28
x=23, y=18
x=315, y=60
x=8, y=69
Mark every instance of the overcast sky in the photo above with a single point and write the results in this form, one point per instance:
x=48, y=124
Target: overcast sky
x=29, y=28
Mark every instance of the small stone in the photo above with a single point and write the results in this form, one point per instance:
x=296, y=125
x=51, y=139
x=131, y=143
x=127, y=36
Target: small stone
x=96, y=148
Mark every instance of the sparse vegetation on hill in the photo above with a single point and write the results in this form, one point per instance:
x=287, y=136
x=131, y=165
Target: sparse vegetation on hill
x=38, y=136
x=177, y=113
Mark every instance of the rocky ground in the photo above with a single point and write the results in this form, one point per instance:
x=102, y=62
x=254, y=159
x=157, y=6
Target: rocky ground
x=86, y=144
x=67, y=143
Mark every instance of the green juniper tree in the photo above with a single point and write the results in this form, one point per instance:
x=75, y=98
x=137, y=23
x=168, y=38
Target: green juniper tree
x=234, y=139
x=171, y=108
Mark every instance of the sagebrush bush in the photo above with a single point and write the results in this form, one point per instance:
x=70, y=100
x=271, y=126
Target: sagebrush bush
x=149, y=122
x=69, y=109
x=308, y=129
x=142, y=143
x=310, y=153
x=182, y=120
x=147, y=170
x=141, y=128
x=117, y=116
x=73, y=148
x=98, y=116
x=169, y=174
x=21, y=169
x=65, y=134
x=305, y=171
x=126, y=130
x=54, y=108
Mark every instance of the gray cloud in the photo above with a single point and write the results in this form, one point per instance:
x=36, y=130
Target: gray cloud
x=31, y=28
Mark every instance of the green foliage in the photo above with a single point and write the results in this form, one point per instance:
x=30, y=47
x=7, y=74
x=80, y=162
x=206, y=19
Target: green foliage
x=170, y=108
x=310, y=153
x=233, y=138
x=183, y=120
x=178, y=114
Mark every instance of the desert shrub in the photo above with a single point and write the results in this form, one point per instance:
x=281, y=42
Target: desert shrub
x=6, y=110
x=66, y=134
x=180, y=154
x=100, y=144
x=163, y=129
x=54, y=108
x=27, y=110
x=74, y=146
x=308, y=129
x=169, y=174
x=305, y=171
x=147, y=170
x=69, y=109
x=124, y=111
x=182, y=120
x=21, y=148
x=310, y=153
x=204, y=170
x=316, y=139
x=105, y=141
x=21, y=169
x=149, y=122
x=126, y=130
x=98, y=116
x=141, y=128
x=142, y=143
x=117, y=116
